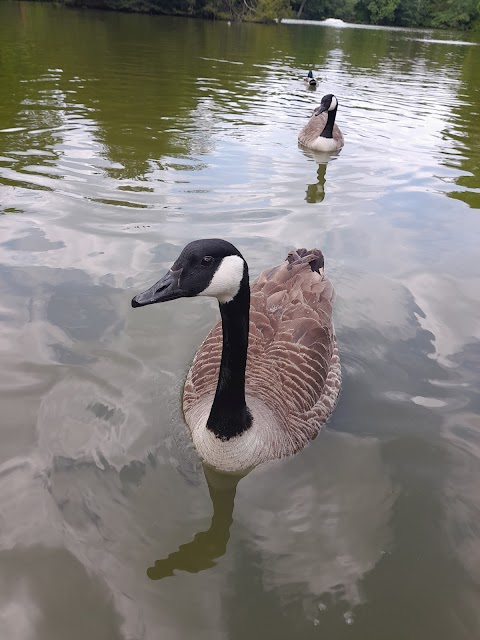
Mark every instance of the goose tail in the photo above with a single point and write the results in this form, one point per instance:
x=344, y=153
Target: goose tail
x=313, y=257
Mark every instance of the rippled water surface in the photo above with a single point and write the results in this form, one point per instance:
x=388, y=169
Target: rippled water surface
x=123, y=137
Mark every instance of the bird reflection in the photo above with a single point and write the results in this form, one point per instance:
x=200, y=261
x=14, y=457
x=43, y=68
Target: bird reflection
x=316, y=192
x=207, y=546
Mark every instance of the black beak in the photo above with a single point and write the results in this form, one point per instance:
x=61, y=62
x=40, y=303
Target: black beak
x=167, y=288
x=319, y=110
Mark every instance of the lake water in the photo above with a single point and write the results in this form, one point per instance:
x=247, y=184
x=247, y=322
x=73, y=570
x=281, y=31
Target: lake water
x=122, y=138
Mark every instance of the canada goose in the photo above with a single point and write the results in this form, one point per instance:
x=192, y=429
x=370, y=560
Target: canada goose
x=244, y=409
x=310, y=80
x=321, y=133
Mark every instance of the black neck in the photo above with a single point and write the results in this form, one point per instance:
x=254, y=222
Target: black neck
x=328, y=129
x=229, y=415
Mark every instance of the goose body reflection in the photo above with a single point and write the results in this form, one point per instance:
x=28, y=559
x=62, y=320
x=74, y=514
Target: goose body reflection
x=338, y=504
x=321, y=133
x=207, y=546
x=316, y=192
x=243, y=411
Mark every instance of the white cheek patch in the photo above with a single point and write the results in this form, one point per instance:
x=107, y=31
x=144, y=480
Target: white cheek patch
x=226, y=281
x=333, y=104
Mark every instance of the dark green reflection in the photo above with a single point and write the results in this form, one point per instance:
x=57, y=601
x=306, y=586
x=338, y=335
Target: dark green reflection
x=207, y=546
x=316, y=191
x=465, y=133
x=130, y=81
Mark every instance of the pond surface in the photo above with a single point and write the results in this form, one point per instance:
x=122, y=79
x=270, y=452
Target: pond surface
x=122, y=138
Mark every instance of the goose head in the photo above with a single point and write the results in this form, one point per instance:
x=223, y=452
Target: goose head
x=328, y=103
x=211, y=267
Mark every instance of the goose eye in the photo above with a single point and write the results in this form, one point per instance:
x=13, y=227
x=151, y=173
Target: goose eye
x=206, y=261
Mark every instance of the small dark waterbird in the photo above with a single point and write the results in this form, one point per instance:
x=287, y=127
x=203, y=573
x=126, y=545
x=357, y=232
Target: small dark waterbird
x=310, y=80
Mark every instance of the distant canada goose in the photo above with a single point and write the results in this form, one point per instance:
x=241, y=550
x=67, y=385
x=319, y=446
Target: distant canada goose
x=244, y=409
x=321, y=133
x=310, y=80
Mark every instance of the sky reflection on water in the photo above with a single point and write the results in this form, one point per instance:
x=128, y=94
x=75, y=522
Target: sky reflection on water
x=110, y=161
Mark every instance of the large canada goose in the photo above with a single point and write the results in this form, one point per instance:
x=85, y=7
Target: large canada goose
x=321, y=133
x=310, y=80
x=247, y=408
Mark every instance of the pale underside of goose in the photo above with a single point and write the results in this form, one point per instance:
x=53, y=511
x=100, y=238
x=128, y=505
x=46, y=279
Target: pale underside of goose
x=292, y=376
x=321, y=133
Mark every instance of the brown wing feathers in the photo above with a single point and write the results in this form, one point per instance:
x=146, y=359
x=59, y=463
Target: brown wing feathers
x=314, y=128
x=292, y=363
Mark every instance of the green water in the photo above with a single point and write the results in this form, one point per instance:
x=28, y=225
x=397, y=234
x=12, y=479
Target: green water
x=123, y=137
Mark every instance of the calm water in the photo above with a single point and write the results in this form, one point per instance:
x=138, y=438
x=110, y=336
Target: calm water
x=124, y=137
